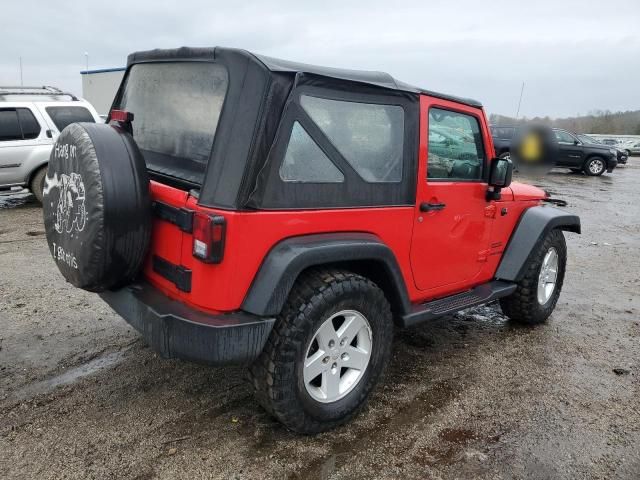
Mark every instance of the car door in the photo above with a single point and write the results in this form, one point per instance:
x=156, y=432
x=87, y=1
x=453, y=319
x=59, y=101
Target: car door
x=570, y=151
x=451, y=232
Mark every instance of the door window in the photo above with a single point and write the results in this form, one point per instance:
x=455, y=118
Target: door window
x=455, y=147
x=564, y=137
x=9, y=126
x=29, y=124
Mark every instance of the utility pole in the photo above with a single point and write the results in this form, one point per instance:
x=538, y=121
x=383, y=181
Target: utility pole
x=21, y=82
x=520, y=101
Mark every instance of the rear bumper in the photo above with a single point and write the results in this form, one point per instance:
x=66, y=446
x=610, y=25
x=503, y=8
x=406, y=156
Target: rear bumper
x=177, y=331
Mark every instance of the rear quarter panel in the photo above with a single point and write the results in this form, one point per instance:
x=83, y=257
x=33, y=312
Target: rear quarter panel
x=250, y=236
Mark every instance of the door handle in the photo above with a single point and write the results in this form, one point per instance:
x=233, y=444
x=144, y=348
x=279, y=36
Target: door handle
x=429, y=207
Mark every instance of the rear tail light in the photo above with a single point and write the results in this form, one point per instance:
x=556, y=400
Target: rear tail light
x=208, y=237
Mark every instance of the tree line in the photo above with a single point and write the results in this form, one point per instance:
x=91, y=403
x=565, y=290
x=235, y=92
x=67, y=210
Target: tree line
x=605, y=122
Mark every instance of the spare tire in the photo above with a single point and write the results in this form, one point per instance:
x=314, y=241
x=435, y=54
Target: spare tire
x=97, y=206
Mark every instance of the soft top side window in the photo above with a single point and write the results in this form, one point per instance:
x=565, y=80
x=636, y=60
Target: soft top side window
x=341, y=147
x=369, y=136
x=305, y=161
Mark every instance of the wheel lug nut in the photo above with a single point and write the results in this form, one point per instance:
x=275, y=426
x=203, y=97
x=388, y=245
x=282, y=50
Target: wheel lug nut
x=345, y=356
x=325, y=360
x=334, y=366
x=343, y=342
x=331, y=344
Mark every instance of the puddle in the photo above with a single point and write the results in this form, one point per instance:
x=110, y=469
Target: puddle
x=70, y=376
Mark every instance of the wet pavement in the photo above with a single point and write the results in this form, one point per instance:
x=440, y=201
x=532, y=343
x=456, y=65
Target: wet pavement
x=468, y=396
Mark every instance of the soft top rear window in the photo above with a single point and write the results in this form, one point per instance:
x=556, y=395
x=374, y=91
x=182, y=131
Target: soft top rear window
x=176, y=108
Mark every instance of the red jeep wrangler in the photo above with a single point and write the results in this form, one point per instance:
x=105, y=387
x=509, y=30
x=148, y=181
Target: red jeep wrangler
x=243, y=209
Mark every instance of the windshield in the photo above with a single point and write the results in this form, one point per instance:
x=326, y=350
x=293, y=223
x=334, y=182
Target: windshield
x=176, y=108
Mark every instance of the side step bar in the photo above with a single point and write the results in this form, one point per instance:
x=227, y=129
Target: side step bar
x=484, y=293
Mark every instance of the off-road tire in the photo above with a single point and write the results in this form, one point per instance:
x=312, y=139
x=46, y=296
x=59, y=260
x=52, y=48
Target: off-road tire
x=589, y=161
x=276, y=374
x=522, y=306
x=37, y=183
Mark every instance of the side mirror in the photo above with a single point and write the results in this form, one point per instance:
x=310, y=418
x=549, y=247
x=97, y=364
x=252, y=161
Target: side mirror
x=500, y=174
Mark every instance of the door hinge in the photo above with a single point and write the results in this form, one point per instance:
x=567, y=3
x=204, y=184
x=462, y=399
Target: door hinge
x=177, y=274
x=181, y=217
x=490, y=211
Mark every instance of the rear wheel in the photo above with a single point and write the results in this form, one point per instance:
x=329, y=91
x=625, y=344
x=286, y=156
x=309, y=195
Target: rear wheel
x=595, y=166
x=326, y=352
x=37, y=183
x=538, y=291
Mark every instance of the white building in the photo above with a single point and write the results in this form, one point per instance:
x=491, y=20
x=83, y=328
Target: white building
x=99, y=87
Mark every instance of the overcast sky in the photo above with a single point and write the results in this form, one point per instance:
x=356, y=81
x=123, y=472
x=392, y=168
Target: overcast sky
x=574, y=56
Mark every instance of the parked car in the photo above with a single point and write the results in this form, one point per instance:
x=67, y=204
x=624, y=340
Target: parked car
x=243, y=209
x=634, y=148
x=612, y=142
x=502, y=137
x=590, y=158
x=31, y=118
x=621, y=155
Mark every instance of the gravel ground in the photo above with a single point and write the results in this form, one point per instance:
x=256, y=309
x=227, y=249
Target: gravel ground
x=468, y=396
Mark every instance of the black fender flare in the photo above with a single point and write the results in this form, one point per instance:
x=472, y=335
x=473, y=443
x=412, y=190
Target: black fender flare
x=532, y=228
x=288, y=258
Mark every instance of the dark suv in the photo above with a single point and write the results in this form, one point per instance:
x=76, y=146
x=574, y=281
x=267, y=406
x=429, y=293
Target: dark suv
x=591, y=158
x=243, y=209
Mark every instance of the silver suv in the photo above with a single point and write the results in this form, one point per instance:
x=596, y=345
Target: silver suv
x=31, y=118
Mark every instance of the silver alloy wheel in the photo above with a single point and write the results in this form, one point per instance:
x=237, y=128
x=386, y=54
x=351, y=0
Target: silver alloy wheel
x=596, y=166
x=548, y=276
x=337, y=356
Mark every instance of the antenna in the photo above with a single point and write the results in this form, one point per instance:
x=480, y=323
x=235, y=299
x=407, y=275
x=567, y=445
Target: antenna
x=520, y=101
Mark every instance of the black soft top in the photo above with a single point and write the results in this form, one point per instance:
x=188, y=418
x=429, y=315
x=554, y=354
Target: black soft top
x=261, y=104
x=276, y=65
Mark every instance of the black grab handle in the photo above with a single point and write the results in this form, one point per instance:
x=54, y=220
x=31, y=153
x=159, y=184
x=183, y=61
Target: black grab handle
x=429, y=207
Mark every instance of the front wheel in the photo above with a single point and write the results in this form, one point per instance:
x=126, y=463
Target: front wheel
x=326, y=352
x=538, y=291
x=595, y=166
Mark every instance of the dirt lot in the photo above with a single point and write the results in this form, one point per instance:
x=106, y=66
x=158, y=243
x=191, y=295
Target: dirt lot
x=470, y=396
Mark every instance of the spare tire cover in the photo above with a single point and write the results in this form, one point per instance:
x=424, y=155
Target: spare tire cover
x=97, y=206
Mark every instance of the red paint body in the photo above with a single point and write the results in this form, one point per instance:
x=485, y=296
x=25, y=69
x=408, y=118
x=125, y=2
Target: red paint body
x=439, y=253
